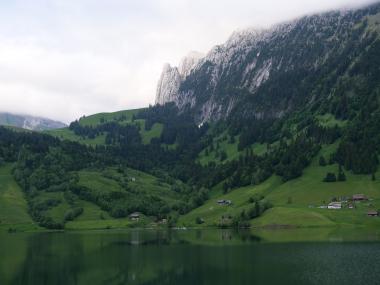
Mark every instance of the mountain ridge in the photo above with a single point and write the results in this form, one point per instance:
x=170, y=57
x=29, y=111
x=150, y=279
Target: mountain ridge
x=266, y=130
x=250, y=58
x=29, y=122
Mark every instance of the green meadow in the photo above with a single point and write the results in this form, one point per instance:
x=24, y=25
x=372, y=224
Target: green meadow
x=14, y=209
x=222, y=144
x=13, y=206
x=296, y=203
x=121, y=117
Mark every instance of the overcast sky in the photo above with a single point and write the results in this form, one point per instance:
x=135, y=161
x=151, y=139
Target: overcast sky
x=65, y=58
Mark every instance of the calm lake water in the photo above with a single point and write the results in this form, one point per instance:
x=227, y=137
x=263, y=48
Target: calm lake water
x=191, y=257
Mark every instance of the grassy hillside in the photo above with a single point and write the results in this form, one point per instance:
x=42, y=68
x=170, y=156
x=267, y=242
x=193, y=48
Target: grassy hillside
x=13, y=206
x=120, y=117
x=104, y=183
x=67, y=134
x=14, y=210
x=139, y=182
x=224, y=144
x=100, y=118
x=109, y=181
x=296, y=202
x=211, y=212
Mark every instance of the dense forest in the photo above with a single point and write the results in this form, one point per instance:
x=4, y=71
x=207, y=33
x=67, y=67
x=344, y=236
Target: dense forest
x=44, y=164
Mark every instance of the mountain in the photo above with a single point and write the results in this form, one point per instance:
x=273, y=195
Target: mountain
x=265, y=130
x=172, y=77
x=29, y=122
x=268, y=73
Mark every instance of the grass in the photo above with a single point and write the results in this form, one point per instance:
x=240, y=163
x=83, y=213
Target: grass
x=91, y=212
x=329, y=121
x=14, y=210
x=13, y=206
x=121, y=117
x=211, y=212
x=140, y=182
x=154, y=132
x=98, y=224
x=310, y=189
x=282, y=216
x=67, y=134
x=93, y=217
x=222, y=143
x=95, y=181
x=296, y=202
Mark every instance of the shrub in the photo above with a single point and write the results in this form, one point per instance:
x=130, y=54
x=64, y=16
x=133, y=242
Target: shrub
x=330, y=177
x=199, y=221
x=71, y=214
x=322, y=161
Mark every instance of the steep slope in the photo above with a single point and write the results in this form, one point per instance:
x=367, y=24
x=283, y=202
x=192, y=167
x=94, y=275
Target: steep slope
x=29, y=122
x=13, y=206
x=123, y=118
x=295, y=203
x=172, y=77
x=271, y=72
x=271, y=113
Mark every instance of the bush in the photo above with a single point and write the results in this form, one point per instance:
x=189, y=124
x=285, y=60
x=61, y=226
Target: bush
x=341, y=176
x=223, y=156
x=330, y=177
x=255, y=198
x=322, y=161
x=71, y=214
x=199, y=221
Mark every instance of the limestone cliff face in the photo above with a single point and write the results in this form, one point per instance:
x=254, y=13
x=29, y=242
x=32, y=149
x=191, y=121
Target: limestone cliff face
x=263, y=73
x=168, y=85
x=172, y=77
x=189, y=62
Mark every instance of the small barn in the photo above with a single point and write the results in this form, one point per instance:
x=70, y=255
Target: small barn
x=373, y=214
x=224, y=202
x=359, y=197
x=134, y=216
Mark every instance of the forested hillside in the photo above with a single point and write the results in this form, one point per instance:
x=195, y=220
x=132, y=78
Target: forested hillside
x=257, y=124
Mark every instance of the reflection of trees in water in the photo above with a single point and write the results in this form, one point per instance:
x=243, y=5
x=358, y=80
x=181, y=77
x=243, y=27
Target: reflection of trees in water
x=112, y=258
x=238, y=235
x=56, y=258
x=122, y=258
x=51, y=259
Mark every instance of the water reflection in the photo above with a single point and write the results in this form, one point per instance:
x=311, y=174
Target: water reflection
x=186, y=257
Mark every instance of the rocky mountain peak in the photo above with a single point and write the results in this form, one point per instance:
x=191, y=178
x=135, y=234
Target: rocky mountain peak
x=168, y=84
x=252, y=63
x=189, y=62
x=172, y=77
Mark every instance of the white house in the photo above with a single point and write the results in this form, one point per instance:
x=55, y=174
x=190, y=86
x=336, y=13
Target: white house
x=224, y=202
x=335, y=205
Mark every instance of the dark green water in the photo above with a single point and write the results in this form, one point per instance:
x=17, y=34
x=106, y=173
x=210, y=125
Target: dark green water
x=184, y=257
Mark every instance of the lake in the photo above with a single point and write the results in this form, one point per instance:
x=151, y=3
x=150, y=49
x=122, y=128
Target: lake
x=312, y=256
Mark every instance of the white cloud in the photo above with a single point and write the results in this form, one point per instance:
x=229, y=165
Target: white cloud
x=65, y=58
